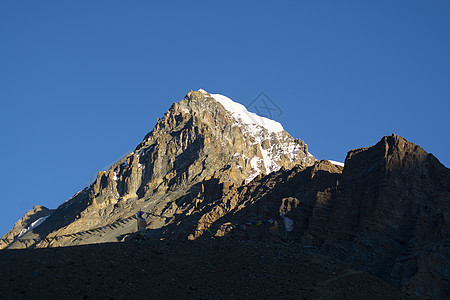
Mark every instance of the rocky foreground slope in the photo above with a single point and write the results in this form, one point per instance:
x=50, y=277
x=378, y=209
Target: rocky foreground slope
x=210, y=169
x=208, y=269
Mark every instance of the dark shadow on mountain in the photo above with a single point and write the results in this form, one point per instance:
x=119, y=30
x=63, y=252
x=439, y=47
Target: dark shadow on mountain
x=293, y=192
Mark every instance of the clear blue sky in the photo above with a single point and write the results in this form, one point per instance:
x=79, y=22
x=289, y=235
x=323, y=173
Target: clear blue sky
x=82, y=82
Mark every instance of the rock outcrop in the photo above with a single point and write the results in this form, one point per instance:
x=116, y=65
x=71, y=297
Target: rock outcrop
x=390, y=214
x=387, y=212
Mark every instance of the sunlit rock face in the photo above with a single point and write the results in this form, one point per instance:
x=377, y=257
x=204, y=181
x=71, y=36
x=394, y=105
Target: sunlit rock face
x=204, y=138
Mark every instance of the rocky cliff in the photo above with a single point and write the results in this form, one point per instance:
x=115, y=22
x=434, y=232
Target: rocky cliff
x=390, y=214
x=387, y=212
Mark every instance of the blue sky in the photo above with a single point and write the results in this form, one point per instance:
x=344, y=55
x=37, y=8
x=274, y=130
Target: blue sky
x=82, y=82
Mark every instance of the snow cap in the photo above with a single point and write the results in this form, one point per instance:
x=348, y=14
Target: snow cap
x=240, y=113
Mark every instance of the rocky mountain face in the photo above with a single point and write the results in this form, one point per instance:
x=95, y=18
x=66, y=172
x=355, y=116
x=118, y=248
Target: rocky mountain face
x=390, y=213
x=204, y=138
x=387, y=212
x=210, y=169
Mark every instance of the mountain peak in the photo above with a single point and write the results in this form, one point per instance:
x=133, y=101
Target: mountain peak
x=275, y=148
x=241, y=114
x=202, y=140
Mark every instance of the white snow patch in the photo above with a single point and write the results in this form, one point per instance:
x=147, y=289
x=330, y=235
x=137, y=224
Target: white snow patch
x=254, y=162
x=37, y=222
x=32, y=225
x=240, y=113
x=115, y=177
x=336, y=163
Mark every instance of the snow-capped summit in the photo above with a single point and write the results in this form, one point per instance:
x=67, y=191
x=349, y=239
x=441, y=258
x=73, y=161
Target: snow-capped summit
x=240, y=113
x=274, y=146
